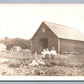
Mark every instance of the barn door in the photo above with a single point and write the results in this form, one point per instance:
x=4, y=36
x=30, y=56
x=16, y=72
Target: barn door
x=43, y=43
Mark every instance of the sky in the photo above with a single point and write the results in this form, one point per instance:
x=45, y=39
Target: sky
x=22, y=20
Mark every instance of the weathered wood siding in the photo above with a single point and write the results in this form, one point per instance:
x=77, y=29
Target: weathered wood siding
x=71, y=46
x=52, y=39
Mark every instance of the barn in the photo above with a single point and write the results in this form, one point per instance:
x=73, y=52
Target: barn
x=63, y=38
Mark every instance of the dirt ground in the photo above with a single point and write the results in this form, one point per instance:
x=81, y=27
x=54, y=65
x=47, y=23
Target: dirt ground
x=17, y=64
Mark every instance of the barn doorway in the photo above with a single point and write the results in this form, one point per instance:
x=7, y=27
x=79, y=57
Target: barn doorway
x=43, y=43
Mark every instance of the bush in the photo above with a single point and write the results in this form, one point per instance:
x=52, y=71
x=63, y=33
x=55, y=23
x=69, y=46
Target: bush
x=14, y=63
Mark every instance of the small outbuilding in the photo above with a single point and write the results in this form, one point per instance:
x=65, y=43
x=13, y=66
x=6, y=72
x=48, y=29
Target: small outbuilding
x=2, y=47
x=16, y=48
x=63, y=38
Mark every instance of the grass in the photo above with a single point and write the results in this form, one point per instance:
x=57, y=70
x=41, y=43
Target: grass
x=62, y=65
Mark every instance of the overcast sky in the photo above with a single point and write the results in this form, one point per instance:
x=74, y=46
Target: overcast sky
x=22, y=20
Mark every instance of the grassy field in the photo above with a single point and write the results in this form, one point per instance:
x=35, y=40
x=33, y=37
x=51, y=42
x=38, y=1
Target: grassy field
x=17, y=64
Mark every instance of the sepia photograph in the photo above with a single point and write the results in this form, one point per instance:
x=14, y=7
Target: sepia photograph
x=42, y=40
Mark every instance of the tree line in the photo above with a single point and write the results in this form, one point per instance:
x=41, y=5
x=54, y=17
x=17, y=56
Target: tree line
x=10, y=42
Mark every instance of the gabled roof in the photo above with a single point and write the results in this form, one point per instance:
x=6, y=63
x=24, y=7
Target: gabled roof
x=65, y=32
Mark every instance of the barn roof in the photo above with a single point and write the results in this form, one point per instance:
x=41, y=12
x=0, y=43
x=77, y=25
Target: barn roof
x=65, y=32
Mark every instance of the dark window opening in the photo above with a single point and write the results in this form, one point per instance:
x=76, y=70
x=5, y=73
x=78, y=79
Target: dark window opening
x=43, y=43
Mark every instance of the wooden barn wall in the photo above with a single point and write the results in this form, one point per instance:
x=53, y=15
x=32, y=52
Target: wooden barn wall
x=71, y=46
x=52, y=39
